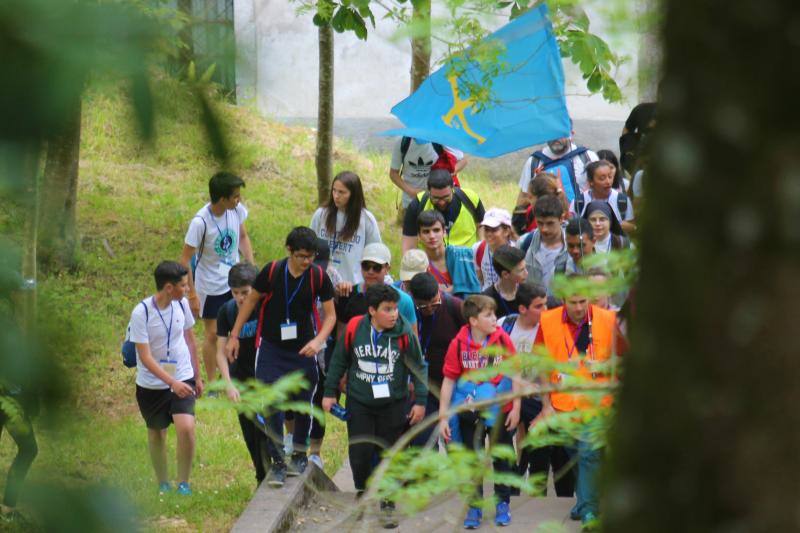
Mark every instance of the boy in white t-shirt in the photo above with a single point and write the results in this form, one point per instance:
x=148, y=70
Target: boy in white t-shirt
x=167, y=374
x=216, y=236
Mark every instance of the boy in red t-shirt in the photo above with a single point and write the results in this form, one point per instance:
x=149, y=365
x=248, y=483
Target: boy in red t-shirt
x=464, y=355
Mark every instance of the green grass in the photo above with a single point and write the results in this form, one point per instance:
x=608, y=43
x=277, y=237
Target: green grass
x=139, y=198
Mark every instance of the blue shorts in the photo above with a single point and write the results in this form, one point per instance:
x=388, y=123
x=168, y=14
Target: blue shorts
x=211, y=304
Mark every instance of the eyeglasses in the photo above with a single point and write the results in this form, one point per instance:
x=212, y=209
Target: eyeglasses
x=366, y=266
x=445, y=198
x=431, y=305
x=304, y=257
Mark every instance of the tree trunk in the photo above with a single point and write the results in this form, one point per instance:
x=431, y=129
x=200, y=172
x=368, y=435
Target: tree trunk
x=186, y=52
x=421, y=44
x=649, y=54
x=324, y=160
x=706, y=436
x=59, y=191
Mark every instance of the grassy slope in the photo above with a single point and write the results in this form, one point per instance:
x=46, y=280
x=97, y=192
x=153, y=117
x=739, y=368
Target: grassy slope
x=139, y=199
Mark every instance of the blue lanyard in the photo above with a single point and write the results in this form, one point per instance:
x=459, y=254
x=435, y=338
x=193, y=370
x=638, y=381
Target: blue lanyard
x=290, y=299
x=427, y=342
x=167, y=329
x=214, y=220
x=375, y=337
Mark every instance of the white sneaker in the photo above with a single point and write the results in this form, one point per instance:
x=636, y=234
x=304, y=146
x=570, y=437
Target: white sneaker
x=288, y=444
x=317, y=460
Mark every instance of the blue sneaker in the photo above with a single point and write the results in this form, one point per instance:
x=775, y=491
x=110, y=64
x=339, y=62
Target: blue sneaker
x=164, y=487
x=502, y=515
x=473, y=519
x=184, y=489
x=590, y=522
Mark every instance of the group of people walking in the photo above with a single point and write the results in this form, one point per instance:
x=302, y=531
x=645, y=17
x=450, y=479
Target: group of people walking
x=475, y=287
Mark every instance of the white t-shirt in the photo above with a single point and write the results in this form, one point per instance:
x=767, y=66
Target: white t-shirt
x=417, y=165
x=577, y=165
x=152, y=328
x=522, y=338
x=221, y=248
x=346, y=255
x=547, y=258
x=612, y=201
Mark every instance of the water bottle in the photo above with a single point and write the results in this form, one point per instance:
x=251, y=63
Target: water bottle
x=340, y=412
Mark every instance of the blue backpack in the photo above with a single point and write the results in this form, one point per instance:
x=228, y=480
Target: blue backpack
x=561, y=167
x=508, y=323
x=128, y=349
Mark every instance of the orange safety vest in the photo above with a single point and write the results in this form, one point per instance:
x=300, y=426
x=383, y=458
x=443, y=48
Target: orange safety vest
x=559, y=342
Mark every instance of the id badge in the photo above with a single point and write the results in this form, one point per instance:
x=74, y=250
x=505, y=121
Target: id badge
x=169, y=367
x=223, y=269
x=380, y=390
x=288, y=331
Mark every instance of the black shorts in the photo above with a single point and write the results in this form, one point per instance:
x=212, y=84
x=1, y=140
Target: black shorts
x=211, y=304
x=158, y=405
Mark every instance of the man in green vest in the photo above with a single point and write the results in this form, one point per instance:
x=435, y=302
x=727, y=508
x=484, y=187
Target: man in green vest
x=461, y=208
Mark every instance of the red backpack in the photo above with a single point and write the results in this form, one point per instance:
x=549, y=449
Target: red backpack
x=267, y=297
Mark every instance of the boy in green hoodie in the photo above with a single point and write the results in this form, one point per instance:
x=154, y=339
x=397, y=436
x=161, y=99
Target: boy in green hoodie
x=379, y=353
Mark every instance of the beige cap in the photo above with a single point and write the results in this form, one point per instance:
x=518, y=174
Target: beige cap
x=414, y=262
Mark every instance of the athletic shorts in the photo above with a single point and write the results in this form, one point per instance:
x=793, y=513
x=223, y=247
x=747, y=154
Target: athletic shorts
x=211, y=304
x=158, y=405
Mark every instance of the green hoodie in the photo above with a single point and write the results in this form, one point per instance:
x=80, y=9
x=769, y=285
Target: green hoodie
x=364, y=368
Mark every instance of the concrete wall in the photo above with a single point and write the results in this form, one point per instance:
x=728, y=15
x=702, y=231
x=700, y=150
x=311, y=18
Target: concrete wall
x=277, y=65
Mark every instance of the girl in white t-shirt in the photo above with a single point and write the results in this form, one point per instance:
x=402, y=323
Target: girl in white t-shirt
x=347, y=225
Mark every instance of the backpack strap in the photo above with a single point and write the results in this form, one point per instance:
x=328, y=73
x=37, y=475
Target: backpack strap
x=264, y=300
x=314, y=311
x=350, y=331
x=537, y=158
x=146, y=313
x=479, y=253
x=525, y=241
x=402, y=342
x=508, y=323
x=438, y=148
x=405, y=142
x=580, y=204
x=466, y=202
x=202, y=245
x=622, y=204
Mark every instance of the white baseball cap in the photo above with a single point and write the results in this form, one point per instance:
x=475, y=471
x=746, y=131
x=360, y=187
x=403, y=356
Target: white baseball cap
x=377, y=252
x=495, y=217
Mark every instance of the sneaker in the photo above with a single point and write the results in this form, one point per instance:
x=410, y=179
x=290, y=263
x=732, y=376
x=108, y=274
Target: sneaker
x=590, y=522
x=502, y=515
x=164, y=487
x=184, y=489
x=388, y=518
x=288, y=444
x=317, y=460
x=298, y=464
x=276, y=476
x=473, y=519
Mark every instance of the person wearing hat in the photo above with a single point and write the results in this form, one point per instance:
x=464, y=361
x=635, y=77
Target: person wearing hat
x=375, y=265
x=608, y=233
x=497, y=231
x=414, y=261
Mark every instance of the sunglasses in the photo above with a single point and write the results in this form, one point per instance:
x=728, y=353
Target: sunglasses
x=367, y=266
x=431, y=305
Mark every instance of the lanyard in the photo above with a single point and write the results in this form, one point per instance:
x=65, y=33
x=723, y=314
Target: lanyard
x=223, y=237
x=485, y=342
x=167, y=329
x=426, y=343
x=375, y=338
x=589, y=348
x=290, y=299
x=438, y=275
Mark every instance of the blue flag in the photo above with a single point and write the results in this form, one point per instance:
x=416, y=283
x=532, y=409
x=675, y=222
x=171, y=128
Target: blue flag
x=529, y=104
